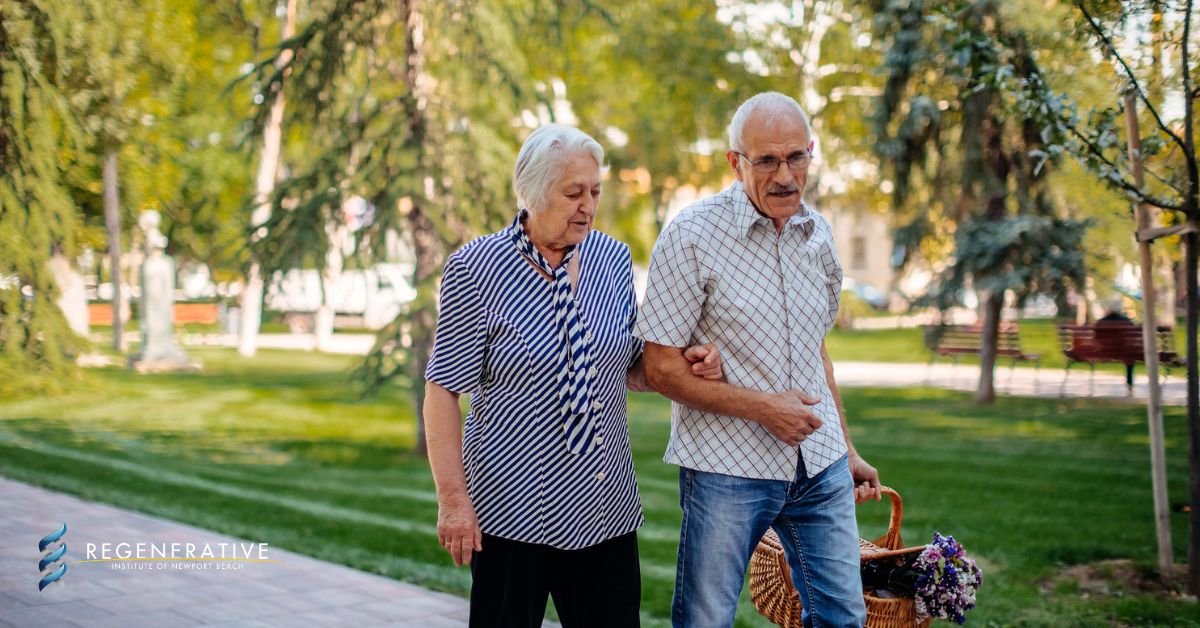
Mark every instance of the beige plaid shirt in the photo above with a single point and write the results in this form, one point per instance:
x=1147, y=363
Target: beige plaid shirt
x=720, y=273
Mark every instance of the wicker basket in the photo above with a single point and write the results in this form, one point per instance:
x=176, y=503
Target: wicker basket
x=776, y=598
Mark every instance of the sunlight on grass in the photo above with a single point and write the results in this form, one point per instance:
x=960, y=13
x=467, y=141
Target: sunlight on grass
x=280, y=449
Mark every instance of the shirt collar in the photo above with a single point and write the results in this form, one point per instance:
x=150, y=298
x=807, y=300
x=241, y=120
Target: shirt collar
x=518, y=223
x=520, y=239
x=745, y=216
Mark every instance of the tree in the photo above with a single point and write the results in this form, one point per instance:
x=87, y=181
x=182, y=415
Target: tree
x=410, y=106
x=187, y=163
x=654, y=83
x=268, y=171
x=821, y=52
x=1168, y=149
x=180, y=131
x=36, y=213
x=127, y=57
x=963, y=168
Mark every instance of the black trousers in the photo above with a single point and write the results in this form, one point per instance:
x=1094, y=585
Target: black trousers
x=598, y=586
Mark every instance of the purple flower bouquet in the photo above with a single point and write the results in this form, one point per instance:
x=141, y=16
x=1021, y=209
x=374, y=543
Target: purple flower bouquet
x=940, y=579
x=946, y=580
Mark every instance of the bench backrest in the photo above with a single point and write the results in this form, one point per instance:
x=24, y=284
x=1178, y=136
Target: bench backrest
x=971, y=337
x=1118, y=342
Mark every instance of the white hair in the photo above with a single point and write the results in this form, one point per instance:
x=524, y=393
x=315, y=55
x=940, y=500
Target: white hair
x=772, y=103
x=543, y=157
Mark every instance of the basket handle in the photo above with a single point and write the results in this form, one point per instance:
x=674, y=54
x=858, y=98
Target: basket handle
x=892, y=540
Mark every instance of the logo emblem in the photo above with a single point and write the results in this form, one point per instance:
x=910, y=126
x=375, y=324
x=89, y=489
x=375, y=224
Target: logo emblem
x=52, y=566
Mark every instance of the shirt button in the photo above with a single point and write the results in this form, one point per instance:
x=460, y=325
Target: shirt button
x=592, y=371
x=600, y=476
x=596, y=405
x=599, y=440
x=587, y=335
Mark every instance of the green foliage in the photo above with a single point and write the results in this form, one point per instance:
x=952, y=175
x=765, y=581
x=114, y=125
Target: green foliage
x=1093, y=134
x=1029, y=254
x=349, y=104
x=37, y=218
x=410, y=106
x=967, y=161
x=147, y=80
x=84, y=77
x=652, y=81
x=427, y=130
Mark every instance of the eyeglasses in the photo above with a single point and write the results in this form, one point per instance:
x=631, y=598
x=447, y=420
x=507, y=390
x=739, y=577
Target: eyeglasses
x=768, y=165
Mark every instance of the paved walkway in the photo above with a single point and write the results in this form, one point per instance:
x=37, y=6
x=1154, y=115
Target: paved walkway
x=1020, y=381
x=292, y=590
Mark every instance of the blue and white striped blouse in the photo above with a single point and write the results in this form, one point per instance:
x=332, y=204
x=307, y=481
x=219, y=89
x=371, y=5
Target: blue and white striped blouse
x=497, y=339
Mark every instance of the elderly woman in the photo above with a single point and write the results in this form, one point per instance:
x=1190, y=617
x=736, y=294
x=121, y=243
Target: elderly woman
x=535, y=322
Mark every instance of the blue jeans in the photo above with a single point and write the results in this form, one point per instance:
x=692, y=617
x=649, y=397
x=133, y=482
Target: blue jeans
x=723, y=519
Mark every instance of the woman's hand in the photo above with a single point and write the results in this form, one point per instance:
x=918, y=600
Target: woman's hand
x=706, y=361
x=458, y=529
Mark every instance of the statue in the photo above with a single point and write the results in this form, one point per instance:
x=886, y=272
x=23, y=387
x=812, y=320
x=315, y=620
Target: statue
x=156, y=308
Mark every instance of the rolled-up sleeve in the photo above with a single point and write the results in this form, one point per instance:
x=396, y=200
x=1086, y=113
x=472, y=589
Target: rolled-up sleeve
x=458, y=346
x=674, y=291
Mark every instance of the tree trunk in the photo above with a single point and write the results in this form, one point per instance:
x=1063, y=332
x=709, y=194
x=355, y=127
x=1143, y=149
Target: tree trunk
x=268, y=167
x=112, y=222
x=72, y=295
x=1165, y=270
x=330, y=276
x=426, y=243
x=986, y=391
x=985, y=172
x=1178, y=279
x=427, y=249
x=1192, y=241
x=1191, y=208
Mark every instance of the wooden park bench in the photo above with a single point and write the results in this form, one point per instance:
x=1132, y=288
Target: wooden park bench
x=200, y=313
x=1115, y=342
x=953, y=341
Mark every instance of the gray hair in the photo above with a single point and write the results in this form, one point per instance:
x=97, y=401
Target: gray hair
x=542, y=158
x=772, y=103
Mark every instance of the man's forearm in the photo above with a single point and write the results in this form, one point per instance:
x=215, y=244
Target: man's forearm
x=670, y=375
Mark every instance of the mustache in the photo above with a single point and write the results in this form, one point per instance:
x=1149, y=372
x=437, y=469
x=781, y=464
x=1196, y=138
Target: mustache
x=775, y=188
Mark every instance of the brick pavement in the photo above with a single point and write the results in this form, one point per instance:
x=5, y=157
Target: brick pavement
x=292, y=590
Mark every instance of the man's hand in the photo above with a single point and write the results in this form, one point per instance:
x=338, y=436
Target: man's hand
x=706, y=361
x=789, y=417
x=866, y=480
x=458, y=529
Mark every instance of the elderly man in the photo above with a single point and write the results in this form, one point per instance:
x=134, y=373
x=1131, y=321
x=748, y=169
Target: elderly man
x=753, y=270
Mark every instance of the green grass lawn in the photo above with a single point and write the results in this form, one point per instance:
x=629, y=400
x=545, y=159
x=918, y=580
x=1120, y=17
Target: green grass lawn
x=277, y=449
x=908, y=345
